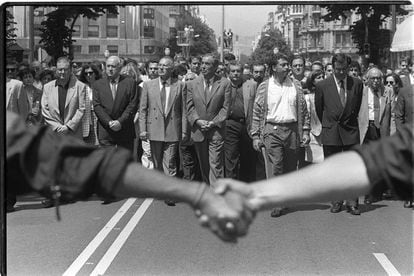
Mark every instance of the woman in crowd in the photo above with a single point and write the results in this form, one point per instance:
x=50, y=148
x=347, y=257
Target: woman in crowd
x=29, y=97
x=392, y=83
x=88, y=75
x=46, y=75
x=314, y=150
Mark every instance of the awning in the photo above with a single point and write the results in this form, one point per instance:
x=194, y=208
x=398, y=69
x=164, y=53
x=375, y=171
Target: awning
x=403, y=39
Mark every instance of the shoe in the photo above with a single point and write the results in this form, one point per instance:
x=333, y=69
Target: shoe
x=353, y=210
x=277, y=212
x=336, y=207
x=387, y=194
x=47, y=203
x=169, y=202
x=408, y=204
x=10, y=208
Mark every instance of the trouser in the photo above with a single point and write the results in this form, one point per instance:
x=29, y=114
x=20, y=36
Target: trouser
x=373, y=134
x=239, y=153
x=210, y=154
x=189, y=162
x=128, y=144
x=331, y=150
x=164, y=156
x=281, y=145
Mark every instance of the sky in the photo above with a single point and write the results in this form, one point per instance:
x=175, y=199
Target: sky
x=243, y=20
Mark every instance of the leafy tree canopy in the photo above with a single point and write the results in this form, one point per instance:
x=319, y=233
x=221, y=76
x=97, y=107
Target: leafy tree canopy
x=205, y=41
x=264, y=50
x=367, y=29
x=56, y=31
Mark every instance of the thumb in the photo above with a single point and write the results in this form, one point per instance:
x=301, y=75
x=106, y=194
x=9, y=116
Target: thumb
x=221, y=187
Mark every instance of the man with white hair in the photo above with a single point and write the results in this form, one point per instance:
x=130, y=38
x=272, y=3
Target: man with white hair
x=115, y=101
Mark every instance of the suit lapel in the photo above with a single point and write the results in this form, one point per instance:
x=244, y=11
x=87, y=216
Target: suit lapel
x=108, y=91
x=383, y=103
x=71, y=92
x=199, y=88
x=156, y=87
x=335, y=96
x=246, y=96
x=171, y=98
x=349, y=93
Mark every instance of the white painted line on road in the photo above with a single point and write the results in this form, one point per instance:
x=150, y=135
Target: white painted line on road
x=386, y=264
x=88, y=251
x=110, y=255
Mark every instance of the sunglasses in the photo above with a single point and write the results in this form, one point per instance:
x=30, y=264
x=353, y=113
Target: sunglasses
x=297, y=65
x=390, y=82
x=89, y=73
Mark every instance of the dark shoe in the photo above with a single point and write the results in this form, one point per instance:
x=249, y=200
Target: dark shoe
x=353, y=210
x=47, y=203
x=170, y=202
x=277, y=212
x=387, y=194
x=10, y=208
x=336, y=207
x=408, y=204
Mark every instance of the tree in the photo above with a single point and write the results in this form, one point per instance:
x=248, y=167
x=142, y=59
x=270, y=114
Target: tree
x=57, y=30
x=265, y=49
x=10, y=35
x=205, y=41
x=367, y=29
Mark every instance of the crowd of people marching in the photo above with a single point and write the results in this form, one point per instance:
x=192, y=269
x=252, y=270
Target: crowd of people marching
x=202, y=119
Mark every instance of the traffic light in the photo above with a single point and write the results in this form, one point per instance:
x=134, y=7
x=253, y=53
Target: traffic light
x=367, y=50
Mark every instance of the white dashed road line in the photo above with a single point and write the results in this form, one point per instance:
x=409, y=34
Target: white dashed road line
x=93, y=245
x=386, y=264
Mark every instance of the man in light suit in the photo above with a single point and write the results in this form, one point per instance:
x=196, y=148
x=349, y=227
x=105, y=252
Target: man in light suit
x=115, y=101
x=63, y=102
x=208, y=98
x=240, y=157
x=161, y=117
x=337, y=103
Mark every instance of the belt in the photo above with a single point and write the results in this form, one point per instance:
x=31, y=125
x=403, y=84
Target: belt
x=241, y=120
x=281, y=124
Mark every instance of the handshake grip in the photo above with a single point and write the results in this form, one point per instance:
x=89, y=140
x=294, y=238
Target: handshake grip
x=225, y=210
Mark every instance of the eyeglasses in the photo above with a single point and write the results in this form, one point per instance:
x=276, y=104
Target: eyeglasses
x=390, y=82
x=297, y=65
x=89, y=73
x=375, y=78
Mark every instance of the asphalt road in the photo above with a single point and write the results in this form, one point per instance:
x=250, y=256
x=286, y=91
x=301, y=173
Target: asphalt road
x=146, y=237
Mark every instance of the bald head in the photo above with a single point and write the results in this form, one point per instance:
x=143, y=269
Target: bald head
x=113, y=67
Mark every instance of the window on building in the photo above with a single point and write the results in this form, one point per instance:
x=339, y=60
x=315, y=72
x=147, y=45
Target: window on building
x=94, y=49
x=149, y=31
x=148, y=13
x=112, y=31
x=93, y=31
x=37, y=29
x=77, y=49
x=111, y=15
x=338, y=40
x=76, y=31
x=113, y=49
x=149, y=49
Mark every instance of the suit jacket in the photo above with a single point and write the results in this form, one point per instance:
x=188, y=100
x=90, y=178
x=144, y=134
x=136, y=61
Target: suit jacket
x=384, y=116
x=404, y=110
x=74, y=105
x=249, y=91
x=159, y=125
x=13, y=90
x=260, y=111
x=214, y=108
x=339, y=124
x=122, y=108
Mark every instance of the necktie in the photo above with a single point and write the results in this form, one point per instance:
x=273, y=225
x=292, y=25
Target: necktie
x=342, y=94
x=113, y=89
x=163, y=96
x=207, y=89
x=376, y=109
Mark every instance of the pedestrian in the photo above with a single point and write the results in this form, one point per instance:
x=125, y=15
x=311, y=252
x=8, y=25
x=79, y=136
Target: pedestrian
x=281, y=121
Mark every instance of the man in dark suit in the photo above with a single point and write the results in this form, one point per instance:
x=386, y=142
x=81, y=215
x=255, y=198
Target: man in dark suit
x=337, y=102
x=208, y=98
x=161, y=117
x=240, y=156
x=115, y=101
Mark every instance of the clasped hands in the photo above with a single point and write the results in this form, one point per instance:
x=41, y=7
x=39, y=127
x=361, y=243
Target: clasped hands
x=205, y=125
x=227, y=209
x=115, y=125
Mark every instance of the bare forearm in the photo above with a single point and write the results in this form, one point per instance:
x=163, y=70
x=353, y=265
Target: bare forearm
x=344, y=176
x=141, y=182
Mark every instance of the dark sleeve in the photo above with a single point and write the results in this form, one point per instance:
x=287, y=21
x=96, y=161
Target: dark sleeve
x=132, y=107
x=38, y=159
x=98, y=107
x=319, y=101
x=389, y=163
